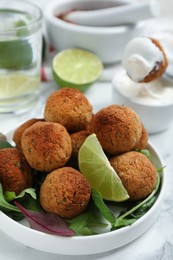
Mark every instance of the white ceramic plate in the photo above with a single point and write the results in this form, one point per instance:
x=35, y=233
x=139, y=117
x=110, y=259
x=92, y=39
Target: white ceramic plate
x=88, y=244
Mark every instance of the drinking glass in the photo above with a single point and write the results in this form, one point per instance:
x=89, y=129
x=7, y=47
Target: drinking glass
x=20, y=55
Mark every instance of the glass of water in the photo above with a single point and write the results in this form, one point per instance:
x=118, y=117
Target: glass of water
x=20, y=55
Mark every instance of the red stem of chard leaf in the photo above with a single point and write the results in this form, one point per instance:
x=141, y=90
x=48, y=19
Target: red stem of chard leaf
x=45, y=222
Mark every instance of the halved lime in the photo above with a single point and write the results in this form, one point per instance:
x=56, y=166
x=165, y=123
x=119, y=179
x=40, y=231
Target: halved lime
x=76, y=68
x=95, y=166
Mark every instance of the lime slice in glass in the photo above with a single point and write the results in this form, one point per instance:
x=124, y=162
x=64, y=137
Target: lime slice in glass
x=95, y=166
x=15, y=54
x=15, y=85
x=76, y=68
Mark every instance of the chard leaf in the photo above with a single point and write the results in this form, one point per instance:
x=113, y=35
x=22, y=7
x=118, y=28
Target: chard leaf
x=46, y=222
x=106, y=212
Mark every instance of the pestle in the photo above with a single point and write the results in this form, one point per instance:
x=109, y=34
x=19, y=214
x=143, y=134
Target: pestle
x=129, y=13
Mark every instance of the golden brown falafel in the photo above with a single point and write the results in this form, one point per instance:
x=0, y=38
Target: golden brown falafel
x=15, y=173
x=19, y=131
x=136, y=172
x=65, y=192
x=46, y=146
x=69, y=107
x=118, y=128
x=143, y=141
x=77, y=139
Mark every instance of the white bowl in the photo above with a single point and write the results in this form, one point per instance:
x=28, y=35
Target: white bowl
x=107, y=43
x=86, y=245
x=154, y=109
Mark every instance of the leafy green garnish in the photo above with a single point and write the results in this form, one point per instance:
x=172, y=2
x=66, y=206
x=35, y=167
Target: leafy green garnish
x=10, y=195
x=5, y=144
x=4, y=205
x=27, y=198
x=138, y=210
x=106, y=212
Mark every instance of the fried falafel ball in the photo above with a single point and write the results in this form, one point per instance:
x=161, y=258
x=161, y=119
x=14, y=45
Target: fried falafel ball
x=19, y=131
x=69, y=107
x=77, y=139
x=136, y=172
x=65, y=192
x=118, y=128
x=143, y=141
x=15, y=173
x=46, y=146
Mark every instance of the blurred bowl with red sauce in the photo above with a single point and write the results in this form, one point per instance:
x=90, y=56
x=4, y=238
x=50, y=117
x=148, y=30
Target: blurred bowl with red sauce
x=107, y=43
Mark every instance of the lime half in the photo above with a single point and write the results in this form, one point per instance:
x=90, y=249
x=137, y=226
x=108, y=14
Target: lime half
x=95, y=166
x=76, y=68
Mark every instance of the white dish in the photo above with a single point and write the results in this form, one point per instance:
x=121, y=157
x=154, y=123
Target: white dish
x=155, y=108
x=88, y=244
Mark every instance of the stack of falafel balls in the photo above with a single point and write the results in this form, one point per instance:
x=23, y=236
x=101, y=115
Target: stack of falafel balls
x=50, y=146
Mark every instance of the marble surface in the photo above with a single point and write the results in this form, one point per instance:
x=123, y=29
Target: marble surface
x=156, y=243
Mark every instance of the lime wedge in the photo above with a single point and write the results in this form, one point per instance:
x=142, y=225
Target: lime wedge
x=76, y=68
x=95, y=166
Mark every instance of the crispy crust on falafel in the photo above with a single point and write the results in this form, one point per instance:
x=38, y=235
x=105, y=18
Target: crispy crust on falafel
x=46, y=146
x=15, y=172
x=69, y=107
x=118, y=128
x=65, y=192
x=136, y=172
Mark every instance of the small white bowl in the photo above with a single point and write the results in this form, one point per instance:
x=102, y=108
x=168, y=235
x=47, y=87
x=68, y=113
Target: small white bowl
x=154, y=108
x=107, y=43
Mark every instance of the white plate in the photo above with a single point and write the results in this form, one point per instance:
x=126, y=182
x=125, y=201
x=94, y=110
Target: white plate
x=87, y=244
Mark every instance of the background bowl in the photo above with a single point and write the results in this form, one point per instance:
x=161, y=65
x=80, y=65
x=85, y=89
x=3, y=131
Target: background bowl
x=156, y=116
x=107, y=43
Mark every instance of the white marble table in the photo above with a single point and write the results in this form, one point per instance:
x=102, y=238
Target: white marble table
x=156, y=243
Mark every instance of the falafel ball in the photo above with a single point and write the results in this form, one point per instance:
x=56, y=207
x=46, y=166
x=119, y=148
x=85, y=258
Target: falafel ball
x=69, y=107
x=118, y=128
x=77, y=139
x=46, y=146
x=65, y=192
x=19, y=131
x=136, y=172
x=143, y=141
x=15, y=173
